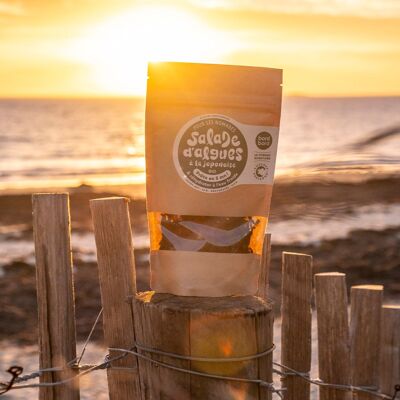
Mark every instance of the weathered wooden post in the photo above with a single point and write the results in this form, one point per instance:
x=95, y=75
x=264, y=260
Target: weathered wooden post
x=118, y=285
x=390, y=349
x=333, y=334
x=213, y=328
x=297, y=278
x=263, y=281
x=365, y=332
x=217, y=328
x=55, y=293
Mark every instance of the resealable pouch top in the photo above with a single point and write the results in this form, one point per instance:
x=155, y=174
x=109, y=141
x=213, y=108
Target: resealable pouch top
x=211, y=144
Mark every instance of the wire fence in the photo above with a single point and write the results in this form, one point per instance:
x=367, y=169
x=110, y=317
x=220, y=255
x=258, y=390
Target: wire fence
x=17, y=380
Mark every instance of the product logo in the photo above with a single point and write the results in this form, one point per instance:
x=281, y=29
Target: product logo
x=261, y=171
x=263, y=140
x=210, y=153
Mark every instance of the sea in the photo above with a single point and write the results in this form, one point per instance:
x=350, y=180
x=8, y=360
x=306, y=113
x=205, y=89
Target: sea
x=67, y=142
x=46, y=143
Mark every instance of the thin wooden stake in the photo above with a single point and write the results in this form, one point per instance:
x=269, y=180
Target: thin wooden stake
x=297, y=278
x=333, y=333
x=365, y=330
x=55, y=293
x=263, y=282
x=117, y=277
x=390, y=349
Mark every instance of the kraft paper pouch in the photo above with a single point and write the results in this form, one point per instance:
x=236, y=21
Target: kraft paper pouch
x=211, y=143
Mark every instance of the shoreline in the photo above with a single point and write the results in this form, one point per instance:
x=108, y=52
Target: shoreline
x=303, y=193
x=124, y=183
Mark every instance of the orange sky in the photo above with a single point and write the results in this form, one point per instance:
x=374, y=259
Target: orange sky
x=101, y=47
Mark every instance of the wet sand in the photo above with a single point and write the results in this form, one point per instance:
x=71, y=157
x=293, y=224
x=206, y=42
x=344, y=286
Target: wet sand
x=290, y=199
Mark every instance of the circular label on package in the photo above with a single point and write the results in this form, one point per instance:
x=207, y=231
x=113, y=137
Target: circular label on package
x=210, y=153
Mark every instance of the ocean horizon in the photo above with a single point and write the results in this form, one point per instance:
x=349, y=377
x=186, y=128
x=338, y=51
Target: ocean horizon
x=100, y=141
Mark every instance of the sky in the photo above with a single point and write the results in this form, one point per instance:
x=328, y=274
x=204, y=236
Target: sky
x=56, y=48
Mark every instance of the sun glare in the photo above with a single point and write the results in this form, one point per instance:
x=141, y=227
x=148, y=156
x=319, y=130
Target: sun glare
x=118, y=50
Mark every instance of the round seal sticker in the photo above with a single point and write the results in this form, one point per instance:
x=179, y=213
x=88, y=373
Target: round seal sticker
x=210, y=153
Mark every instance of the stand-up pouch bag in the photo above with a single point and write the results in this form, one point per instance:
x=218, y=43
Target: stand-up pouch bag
x=211, y=144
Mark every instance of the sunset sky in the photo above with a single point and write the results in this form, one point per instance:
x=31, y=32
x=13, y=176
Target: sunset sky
x=101, y=47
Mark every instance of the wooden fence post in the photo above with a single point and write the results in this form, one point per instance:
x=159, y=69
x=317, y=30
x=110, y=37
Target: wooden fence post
x=390, y=349
x=365, y=331
x=297, y=278
x=55, y=293
x=333, y=333
x=117, y=277
x=263, y=281
x=218, y=328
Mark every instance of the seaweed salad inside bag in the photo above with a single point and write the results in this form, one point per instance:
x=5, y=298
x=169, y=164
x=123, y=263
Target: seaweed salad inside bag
x=211, y=144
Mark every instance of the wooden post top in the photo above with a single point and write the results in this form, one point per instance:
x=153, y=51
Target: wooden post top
x=213, y=305
x=391, y=306
x=50, y=194
x=367, y=287
x=290, y=254
x=328, y=274
x=109, y=199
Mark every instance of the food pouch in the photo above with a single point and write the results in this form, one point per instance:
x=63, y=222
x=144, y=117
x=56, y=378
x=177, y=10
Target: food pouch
x=211, y=143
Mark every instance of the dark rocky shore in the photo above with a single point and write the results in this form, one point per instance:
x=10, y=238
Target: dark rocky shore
x=366, y=256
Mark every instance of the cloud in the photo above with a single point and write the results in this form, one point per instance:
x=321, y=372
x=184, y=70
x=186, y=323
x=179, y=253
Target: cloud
x=11, y=9
x=362, y=8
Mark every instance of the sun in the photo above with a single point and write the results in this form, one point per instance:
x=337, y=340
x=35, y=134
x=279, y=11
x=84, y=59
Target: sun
x=117, y=50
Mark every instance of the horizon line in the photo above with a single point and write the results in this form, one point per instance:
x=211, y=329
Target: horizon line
x=133, y=96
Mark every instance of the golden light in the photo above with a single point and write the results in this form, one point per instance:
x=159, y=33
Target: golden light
x=118, y=50
x=226, y=347
x=238, y=393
